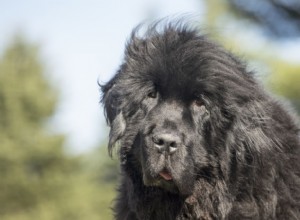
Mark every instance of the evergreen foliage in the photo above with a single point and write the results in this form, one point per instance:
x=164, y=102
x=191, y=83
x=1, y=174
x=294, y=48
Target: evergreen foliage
x=38, y=179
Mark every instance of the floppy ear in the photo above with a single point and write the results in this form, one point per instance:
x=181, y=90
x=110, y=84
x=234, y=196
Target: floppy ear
x=112, y=102
x=256, y=128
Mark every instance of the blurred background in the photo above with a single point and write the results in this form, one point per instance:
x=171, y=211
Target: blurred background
x=53, y=159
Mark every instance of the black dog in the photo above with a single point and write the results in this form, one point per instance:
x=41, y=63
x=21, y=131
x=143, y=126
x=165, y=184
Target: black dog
x=199, y=138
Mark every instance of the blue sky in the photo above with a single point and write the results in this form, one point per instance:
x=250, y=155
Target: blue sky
x=81, y=42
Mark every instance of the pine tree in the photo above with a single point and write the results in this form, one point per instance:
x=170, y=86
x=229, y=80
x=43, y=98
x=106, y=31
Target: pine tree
x=38, y=180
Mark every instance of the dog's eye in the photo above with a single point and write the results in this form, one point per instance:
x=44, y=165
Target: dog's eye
x=198, y=102
x=152, y=94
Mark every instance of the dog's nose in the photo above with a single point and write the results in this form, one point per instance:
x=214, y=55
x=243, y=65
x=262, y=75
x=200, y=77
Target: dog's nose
x=166, y=142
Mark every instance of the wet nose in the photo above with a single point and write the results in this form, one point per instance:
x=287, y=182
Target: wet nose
x=166, y=142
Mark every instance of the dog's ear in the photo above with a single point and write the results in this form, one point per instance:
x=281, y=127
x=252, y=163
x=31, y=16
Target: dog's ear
x=112, y=102
x=255, y=128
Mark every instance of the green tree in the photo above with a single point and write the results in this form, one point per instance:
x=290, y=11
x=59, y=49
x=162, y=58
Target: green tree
x=100, y=167
x=229, y=19
x=38, y=180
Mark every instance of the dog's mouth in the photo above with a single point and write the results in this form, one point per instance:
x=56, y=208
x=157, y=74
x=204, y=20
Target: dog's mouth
x=166, y=175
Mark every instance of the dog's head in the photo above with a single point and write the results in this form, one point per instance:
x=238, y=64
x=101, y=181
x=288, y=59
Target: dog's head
x=174, y=105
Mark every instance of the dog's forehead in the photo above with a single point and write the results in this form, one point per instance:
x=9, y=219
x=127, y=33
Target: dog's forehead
x=173, y=76
x=175, y=83
x=179, y=65
x=169, y=76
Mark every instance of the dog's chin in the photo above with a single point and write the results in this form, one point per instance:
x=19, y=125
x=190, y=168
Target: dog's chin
x=166, y=178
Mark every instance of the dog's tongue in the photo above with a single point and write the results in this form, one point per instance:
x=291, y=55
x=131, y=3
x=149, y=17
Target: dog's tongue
x=166, y=175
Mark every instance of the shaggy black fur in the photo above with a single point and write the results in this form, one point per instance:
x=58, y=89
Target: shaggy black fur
x=199, y=138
